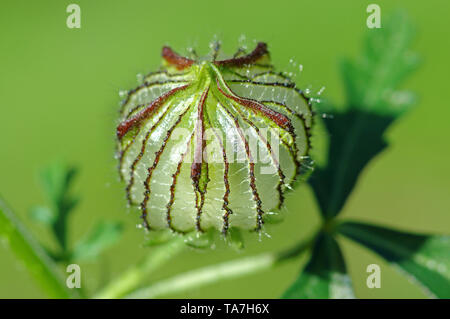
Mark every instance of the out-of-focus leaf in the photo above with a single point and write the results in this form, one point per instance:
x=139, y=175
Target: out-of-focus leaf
x=56, y=180
x=325, y=276
x=60, y=225
x=14, y=235
x=373, y=103
x=371, y=81
x=104, y=235
x=426, y=258
x=42, y=214
x=355, y=138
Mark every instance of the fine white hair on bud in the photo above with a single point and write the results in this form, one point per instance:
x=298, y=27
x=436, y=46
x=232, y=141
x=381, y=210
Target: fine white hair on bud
x=212, y=143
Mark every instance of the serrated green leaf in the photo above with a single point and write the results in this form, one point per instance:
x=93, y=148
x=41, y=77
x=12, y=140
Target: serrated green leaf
x=385, y=62
x=42, y=214
x=104, y=235
x=14, y=235
x=325, y=276
x=426, y=258
x=373, y=103
x=56, y=180
x=355, y=138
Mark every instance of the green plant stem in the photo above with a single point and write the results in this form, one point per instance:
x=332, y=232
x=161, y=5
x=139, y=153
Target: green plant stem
x=206, y=275
x=135, y=275
x=14, y=234
x=215, y=273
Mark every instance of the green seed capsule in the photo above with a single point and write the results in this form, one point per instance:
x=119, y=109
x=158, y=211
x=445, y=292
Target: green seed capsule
x=212, y=144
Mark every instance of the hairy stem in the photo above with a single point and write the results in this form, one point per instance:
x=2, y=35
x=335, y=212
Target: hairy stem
x=41, y=267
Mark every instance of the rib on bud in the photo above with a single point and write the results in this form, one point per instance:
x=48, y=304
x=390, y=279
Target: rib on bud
x=212, y=143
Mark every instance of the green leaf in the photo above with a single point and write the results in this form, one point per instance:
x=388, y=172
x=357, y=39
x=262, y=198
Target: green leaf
x=325, y=276
x=56, y=180
x=355, y=138
x=372, y=80
x=33, y=256
x=104, y=235
x=373, y=103
x=42, y=214
x=424, y=257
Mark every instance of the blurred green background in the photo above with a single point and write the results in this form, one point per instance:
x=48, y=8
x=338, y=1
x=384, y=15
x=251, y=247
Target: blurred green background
x=59, y=100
